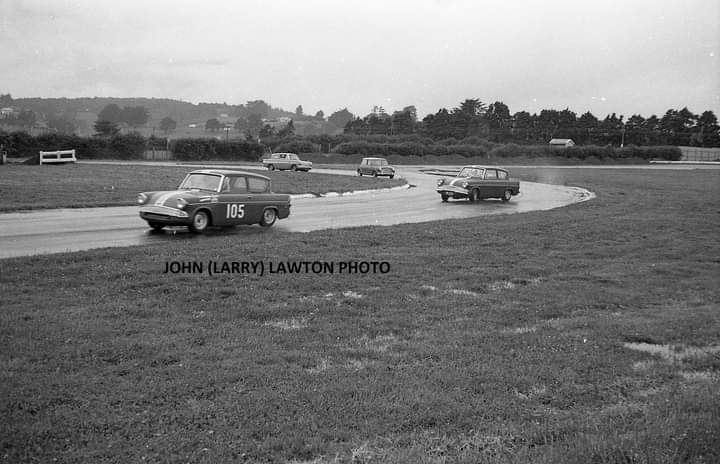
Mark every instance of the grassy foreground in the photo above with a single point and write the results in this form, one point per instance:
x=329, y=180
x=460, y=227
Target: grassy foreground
x=25, y=187
x=589, y=333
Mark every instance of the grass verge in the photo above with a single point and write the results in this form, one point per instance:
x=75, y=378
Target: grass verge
x=583, y=334
x=25, y=187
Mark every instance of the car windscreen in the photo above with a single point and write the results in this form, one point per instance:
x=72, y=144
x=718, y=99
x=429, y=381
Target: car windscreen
x=470, y=172
x=200, y=182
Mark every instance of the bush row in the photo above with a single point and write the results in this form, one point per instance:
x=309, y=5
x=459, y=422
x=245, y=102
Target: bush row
x=21, y=144
x=128, y=146
x=132, y=146
x=489, y=150
x=586, y=152
x=213, y=149
x=296, y=146
x=410, y=149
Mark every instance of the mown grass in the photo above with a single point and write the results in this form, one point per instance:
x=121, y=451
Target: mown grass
x=25, y=187
x=521, y=338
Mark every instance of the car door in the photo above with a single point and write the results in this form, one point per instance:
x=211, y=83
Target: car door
x=292, y=160
x=257, y=199
x=234, y=197
x=491, y=184
x=503, y=183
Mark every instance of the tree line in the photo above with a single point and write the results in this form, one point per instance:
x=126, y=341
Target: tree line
x=471, y=119
x=495, y=123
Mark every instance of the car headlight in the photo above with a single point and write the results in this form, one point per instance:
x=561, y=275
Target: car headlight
x=181, y=203
x=464, y=185
x=142, y=198
x=440, y=182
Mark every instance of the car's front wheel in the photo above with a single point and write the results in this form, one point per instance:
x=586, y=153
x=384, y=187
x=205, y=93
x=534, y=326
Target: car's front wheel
x=444, y=197
x=392, y=176
x=271, y=167
x=293, y=167
x=507, y=195
x=374, y=173
x=359, y=173
x=269, y=217
x=473, y=196
x=200, y=221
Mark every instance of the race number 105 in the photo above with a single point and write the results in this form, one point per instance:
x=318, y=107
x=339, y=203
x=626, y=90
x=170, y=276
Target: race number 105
x=235, y=211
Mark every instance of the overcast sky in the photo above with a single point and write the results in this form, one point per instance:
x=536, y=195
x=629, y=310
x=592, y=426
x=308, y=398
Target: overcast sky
x=627, y=57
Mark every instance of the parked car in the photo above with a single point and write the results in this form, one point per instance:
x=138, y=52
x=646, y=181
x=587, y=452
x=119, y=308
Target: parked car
x=375, y=167
x=476, y=182
x=214, y=197
x=289, y=161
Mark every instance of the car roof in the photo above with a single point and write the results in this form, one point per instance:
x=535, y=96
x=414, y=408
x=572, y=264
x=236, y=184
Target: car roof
x=374, y=158
x=228, y=172
x=475, y=166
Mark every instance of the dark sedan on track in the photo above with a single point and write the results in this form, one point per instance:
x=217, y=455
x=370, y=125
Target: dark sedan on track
x=214, y=197
x=476, y=182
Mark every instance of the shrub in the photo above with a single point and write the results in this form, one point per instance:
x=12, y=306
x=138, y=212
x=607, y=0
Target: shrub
x=213, y=149
x=296, y=146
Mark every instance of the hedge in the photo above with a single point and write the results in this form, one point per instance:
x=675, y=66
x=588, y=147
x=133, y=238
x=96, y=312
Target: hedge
x=213, y=149
x=490, y=150
x=585, y=152
x=22, y=144
x=409, y=149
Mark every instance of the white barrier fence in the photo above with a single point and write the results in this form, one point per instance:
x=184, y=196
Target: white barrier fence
x=62, y=156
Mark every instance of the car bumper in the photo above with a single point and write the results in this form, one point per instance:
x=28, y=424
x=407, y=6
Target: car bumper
x=452, y=191
x=164, y=214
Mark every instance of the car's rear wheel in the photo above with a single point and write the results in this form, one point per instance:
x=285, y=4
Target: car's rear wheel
x=200, y=221
x=374, y=173
x=156, y=225
x=392, y=176
x=293, y=168
x=473, y=196
x=271, y=167
x=507, y=195
x=444, y=197
x=269, y=217
x=359, y=172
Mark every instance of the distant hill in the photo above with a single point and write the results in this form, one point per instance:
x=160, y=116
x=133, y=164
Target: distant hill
x=84, y=110
x=159, y=108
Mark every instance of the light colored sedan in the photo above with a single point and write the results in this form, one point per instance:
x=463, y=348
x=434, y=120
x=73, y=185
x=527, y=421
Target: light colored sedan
x=289, y=161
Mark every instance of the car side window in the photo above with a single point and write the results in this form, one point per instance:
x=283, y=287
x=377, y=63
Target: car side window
x=225, y=185
x=239, y=185
x=502, y=175
x=491, y=174
x=256, y=185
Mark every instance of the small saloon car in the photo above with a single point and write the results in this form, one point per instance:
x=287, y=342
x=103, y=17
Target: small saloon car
x=289, y=161
x=214, y=197
x=375, y=167
x=476, y=182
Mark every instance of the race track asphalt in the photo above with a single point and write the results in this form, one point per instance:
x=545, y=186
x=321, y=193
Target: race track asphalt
x=60, y=230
